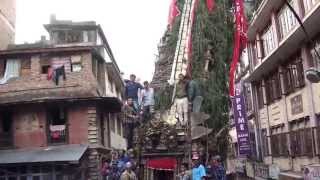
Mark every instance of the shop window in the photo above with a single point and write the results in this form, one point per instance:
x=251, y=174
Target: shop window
x=57, y=119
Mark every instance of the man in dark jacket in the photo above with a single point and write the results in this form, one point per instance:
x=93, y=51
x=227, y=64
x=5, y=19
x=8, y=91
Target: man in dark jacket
x=132, y=90
x=217, y=171
x=194, y=95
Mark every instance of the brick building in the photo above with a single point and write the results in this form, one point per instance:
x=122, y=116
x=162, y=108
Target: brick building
x=7, y=22
x=286, y=104
x=59, y=129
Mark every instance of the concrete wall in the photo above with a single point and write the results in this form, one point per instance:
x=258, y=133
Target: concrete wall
x=7, y=22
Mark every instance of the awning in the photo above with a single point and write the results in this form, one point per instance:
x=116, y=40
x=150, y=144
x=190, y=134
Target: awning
x=65, y=153
x=167, y=164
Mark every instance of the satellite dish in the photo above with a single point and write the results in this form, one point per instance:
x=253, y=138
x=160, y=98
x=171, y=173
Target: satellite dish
x=313, y=75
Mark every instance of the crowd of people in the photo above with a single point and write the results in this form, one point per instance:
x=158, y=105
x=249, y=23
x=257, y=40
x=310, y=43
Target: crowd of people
x=121, y=166
x=140, y=101
x=213, y=171
x=138, y=108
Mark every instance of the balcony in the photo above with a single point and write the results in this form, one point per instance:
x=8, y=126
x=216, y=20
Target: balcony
x=288, y=45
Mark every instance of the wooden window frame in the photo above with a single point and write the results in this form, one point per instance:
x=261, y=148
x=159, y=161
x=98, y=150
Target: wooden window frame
x=300, y=144
x=293, y=75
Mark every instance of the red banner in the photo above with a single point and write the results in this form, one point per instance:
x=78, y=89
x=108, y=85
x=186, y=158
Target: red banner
x=240, y=42
x=167, y=164
x=173, y=13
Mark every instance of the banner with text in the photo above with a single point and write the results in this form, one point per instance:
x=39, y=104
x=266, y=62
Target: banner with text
x=240, y=119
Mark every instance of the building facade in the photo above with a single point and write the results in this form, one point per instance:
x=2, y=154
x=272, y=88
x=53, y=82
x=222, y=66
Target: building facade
x=7, y=22
x=286, y=104
x=60, y=104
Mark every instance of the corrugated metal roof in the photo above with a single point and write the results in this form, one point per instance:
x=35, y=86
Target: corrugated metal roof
x=64, y=153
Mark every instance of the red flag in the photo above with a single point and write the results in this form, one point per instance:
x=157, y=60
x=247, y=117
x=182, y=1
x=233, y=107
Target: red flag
x=240, y=41
x=173, y=13
x=210, y=5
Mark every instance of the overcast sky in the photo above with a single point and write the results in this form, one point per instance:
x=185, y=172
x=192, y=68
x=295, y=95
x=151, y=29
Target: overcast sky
x=133, y=28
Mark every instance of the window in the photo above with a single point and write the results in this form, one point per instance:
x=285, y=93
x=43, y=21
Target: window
x=260, y=95
x=273, y=87
x=26, y=67
x=95, y=67
x=268, y=41
x=293, y=75
x=57, y=121
x=279, y=145
x=2, y=68
x=301, y=142
x=112, y=123
x=6, y=121
x=315, y=60
x=309, y=4
x=76, y=64
x=70, y=36
x=74, y=36
x=248, y=98
x=286, y=20
x=119, y=124
x=253, y=54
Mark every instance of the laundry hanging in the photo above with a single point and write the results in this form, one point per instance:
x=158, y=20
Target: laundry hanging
x=12, y=70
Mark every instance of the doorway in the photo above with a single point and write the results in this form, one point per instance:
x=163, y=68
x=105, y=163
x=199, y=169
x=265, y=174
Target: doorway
x=163, y=175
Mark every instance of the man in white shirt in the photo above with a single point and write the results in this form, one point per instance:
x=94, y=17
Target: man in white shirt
x=147, y=100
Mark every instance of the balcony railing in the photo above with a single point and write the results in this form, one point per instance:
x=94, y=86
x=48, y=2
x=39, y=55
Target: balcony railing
x=57, y=134
x=5, y=139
